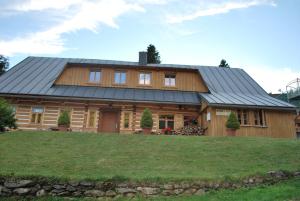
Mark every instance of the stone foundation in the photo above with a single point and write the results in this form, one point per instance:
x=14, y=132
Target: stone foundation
x=37, y=187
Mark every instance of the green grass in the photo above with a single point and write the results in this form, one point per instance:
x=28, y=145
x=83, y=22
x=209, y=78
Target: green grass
x=140, y=157
x=285, y=191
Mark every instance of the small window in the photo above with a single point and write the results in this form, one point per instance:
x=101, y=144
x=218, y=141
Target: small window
x=260, y=118
x=170, y=80
x=243, y=117
x=166, y=121
x=120, y=77
x=36, y=115
x=126, y=120
x=95, y=76
x=145, y=78
x=92, y=118
x=14, y=108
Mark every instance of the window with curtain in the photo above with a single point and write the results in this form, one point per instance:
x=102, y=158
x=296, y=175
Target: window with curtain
x=36, y=115
x=92, y=118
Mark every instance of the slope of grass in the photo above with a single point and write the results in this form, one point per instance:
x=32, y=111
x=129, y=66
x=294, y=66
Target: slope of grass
x=284, y=191
x=140, y=157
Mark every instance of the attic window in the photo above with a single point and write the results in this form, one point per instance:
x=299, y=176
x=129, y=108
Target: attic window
x=120, y=77
x=95, y=76
x=145, y=78
x=170, y=80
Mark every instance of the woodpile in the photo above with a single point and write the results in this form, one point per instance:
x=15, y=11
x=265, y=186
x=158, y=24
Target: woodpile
x=190, y=130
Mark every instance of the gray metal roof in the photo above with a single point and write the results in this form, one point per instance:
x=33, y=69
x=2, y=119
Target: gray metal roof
x=233, y=86
x=35, y=76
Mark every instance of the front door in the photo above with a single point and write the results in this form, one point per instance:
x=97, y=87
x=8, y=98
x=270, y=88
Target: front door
x=109, y=122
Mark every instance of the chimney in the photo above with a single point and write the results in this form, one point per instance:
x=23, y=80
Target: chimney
x=143, y=58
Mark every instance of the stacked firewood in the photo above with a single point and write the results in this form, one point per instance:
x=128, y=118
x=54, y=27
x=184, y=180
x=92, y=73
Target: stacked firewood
x=190, y=130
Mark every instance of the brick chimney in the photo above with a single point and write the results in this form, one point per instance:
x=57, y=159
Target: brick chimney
x=143, y=58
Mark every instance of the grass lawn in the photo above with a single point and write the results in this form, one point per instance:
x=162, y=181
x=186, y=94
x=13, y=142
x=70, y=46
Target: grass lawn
x=284, y=191
x=140, y=157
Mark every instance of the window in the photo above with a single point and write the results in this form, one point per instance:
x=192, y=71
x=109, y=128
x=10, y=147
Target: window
x=166, y=121
x=120, y=77
x=145, y=78
x=170, y=80
x=92, y=118
x=95, y=76
x=36, y=115
x=260, y=118
x=14, y=108
x=243, y=117
x=126, y=120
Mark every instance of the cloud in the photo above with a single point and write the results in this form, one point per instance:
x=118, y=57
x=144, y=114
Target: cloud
x=88, y=15
x=209, y=9
x=272, y=79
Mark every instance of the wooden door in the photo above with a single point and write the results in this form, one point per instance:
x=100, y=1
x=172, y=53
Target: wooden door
x=110, y=122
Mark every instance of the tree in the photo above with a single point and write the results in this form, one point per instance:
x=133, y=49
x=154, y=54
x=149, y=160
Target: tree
x=64, y=119
x=3, y=64
x=232, y=122
x=146, y=121
x=153, y=56
x=224, y=64
x=7, y=116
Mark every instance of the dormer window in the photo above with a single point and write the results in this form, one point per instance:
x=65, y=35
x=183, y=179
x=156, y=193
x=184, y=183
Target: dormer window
x=170, y=80
x=145, y=78
x=95, y=76
x=120, y=77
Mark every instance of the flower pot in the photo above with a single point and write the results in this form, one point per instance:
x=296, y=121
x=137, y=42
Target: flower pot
x=231, y=132
x=147, y=130
x=63, y=127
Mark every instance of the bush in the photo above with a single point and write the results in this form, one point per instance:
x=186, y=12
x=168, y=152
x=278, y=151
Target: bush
x=7, y=116
x=232, y=122
x=146, y=121
x=64, y=119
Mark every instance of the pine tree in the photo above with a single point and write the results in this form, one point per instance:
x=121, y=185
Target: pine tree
x=3, y=64
x=232, y=122
x=153, y=56
x=146, y=121
x=224, y=64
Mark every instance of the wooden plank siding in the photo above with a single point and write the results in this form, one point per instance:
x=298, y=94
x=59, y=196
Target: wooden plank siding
x=279, y=124
x=185, y=80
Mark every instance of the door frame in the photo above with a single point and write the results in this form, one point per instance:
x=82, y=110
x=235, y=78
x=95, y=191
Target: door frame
x=113, y=110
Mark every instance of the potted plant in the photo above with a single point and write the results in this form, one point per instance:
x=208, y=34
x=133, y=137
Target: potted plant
x=64, y=121
x=146, y=121
x=232, y=124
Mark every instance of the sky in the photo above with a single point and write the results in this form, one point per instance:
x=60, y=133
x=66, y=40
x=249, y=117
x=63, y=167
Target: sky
x=260, y=36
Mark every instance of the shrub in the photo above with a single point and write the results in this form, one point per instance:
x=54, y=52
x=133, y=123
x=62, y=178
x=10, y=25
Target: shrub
x=64, y=119
x=7, y=116
x=146, y=121
x=232, y=122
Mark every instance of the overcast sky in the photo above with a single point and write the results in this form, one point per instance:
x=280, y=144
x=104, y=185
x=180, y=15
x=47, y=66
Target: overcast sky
x=260, y=36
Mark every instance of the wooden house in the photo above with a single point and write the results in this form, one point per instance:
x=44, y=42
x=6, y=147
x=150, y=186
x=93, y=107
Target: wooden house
x=109, y=96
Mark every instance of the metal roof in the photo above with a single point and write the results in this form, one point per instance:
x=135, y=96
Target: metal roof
x=35, y=76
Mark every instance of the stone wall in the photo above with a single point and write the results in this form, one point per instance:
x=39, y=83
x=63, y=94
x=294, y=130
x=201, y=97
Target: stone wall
x=10, y=186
